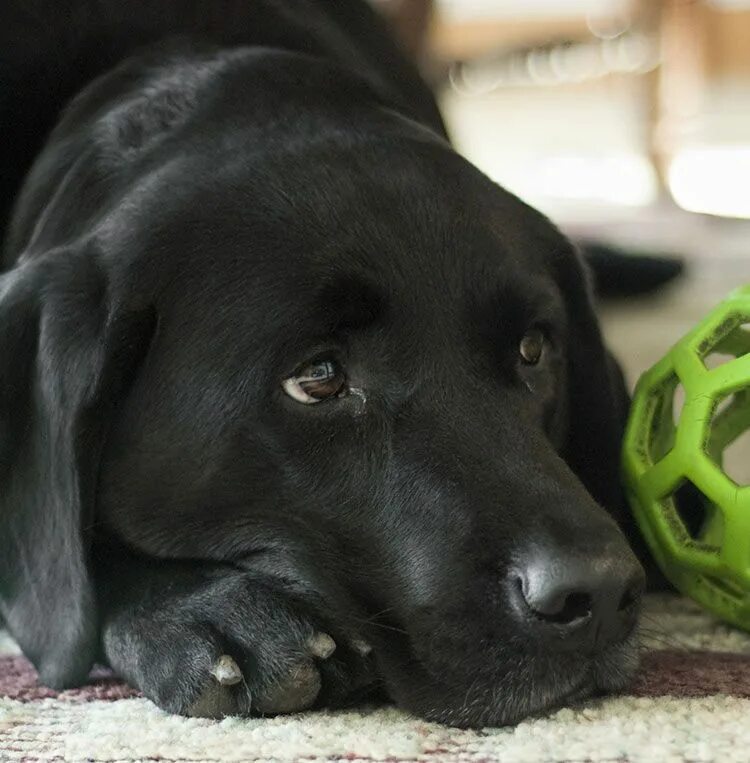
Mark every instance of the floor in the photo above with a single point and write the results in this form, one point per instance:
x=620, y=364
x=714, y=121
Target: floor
x=690, y=704
x=717, y=254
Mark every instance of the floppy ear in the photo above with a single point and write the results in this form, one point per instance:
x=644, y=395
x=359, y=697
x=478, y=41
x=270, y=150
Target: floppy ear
x=598, y=398
x=68, y=351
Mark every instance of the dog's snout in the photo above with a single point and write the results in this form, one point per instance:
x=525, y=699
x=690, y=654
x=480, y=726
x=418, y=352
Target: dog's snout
x=578, y=600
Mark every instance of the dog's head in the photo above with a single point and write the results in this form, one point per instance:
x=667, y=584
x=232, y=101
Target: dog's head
x=331, y=348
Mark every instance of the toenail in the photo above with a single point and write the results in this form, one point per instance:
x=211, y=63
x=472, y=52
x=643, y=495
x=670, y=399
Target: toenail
x=321, y=645
x=226, y=671
x=361, y=647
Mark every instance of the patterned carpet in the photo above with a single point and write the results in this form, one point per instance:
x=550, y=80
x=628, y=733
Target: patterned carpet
x=690, y=703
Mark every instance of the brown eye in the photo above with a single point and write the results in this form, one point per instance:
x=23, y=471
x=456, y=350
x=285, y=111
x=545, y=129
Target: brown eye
x=315, y=382
x=532, y=347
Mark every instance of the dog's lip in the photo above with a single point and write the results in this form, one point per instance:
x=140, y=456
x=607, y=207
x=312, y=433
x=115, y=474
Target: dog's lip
x=578, y=692
x=590, y=685
x=607, y=673
x=497, y=715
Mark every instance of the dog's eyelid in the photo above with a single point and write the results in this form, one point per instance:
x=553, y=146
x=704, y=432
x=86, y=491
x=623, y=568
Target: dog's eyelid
x=532, y=346
x=316, y=381
x=553, y=330
x=545, y=311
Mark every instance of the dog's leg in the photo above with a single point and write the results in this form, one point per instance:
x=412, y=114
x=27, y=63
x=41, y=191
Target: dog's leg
x=211, y=640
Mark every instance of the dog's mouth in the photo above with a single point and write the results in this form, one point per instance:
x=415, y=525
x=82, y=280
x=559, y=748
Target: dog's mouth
x=608, y=673
x=507, y=692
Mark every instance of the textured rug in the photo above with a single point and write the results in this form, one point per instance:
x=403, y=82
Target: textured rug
x=691, y=702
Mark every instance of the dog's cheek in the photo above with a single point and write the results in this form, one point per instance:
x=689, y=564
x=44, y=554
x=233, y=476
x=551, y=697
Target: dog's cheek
x=557, y=413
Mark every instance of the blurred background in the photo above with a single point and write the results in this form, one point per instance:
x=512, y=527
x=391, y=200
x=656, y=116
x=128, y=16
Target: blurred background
x=625, y=121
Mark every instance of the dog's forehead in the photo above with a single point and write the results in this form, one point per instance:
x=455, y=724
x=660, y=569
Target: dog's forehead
x=341, y=228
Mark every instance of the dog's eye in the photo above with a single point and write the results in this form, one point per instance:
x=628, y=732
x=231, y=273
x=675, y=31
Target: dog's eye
x=532, y=347
x=315, y=382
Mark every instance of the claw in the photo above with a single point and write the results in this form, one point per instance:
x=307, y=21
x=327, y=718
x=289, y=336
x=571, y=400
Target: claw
x=226, y=671
x=321, y=645
x=361, y=647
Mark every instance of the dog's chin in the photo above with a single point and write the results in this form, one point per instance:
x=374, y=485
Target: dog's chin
x=533, y=686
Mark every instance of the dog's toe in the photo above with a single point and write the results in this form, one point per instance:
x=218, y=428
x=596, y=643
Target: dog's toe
x=226, y=671
x=296, y=690
x=225, y=692
x=298, y=686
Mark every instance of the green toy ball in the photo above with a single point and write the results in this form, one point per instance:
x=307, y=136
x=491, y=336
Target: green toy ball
x=687, y=482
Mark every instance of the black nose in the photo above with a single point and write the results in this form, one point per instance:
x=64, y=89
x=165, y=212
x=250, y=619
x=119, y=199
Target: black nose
x=578, y=600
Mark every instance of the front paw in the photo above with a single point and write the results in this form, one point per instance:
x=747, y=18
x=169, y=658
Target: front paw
x=233, y=645
x=291, y=689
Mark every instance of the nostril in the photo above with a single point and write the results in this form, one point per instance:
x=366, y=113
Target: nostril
x=577, y=606
x=556, y=605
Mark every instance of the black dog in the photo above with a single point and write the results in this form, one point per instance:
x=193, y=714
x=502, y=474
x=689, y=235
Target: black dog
x=296, y=406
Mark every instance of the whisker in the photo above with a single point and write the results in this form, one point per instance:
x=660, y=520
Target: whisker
x=370, y=623
x=663, y=639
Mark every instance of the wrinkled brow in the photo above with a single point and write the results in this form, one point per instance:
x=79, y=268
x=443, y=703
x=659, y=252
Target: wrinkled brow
x=508, y=307
x=350, y=302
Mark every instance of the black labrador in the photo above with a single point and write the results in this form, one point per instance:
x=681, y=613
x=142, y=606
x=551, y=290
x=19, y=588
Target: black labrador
x=297, y=407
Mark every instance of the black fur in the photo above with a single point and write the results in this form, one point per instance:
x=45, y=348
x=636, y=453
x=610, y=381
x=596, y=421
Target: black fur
x=230, y=189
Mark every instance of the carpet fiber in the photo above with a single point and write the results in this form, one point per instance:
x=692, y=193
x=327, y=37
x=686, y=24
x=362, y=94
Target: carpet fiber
x=691, y=702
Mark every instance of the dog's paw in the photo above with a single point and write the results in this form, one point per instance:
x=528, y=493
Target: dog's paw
x=291, y=689
x=233, y=646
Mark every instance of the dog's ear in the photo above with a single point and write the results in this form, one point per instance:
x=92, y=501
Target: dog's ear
x=598, y=400
x=69, y=350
